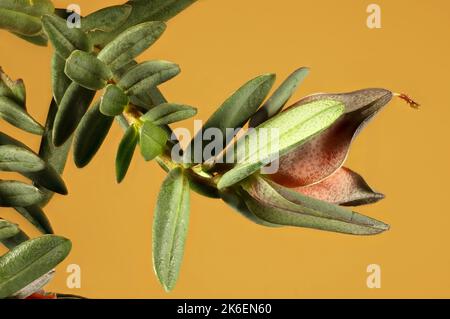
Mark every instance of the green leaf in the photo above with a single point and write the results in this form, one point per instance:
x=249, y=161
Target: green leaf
x=152, y=140
x=147, y=75
x=126, y=151
x=298, y=210
x=19, y=22
x=15, y=240
x=60, y=81
x=15, y=90
x=168, y=113
x=54, y=156
x=36, y=216
x=46, y=177
x=294, y=127
x=7, y=229
x=106, y=19
x=35, y=8
x=279, y=98
x=18, y=159
x=14, y=193
x=73, y=106
x=90, y=134
x=114, y=101
x=64, y=39
x=86, y=70
x=236, y=110
x=29, y=261
x=148, y=10
x=40, y=39
x=170, y=225
x=203, y=189
x=16, y=115
x=130, y=44
x=237, y=201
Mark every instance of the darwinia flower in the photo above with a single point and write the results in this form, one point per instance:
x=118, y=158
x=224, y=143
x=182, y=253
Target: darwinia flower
x=311, y=183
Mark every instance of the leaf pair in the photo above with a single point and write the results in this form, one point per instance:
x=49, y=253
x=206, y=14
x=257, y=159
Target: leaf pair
x=138, y=79
x=29, y=261
x=152, y=140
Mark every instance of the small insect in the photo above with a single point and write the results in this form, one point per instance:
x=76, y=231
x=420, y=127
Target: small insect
x=408, y=100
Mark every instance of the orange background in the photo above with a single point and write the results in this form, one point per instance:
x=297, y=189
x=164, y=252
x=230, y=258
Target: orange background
x=220, y=44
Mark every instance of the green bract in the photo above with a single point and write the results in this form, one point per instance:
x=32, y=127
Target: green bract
x=279, y=135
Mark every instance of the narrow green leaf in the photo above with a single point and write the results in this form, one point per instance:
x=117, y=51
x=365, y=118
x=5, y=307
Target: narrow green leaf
x=29, y=261
x=86, y=70
x=55, y=156
x=126, y=151
x=90, y=134
x=236, y=110
x=130, y=44
x=18, y=159
x=146, y=75
x=170, y=225
x=19, y=22
x=114, y=101
x=168, y=113
x=16, y=115
x=279, y=98
x=73, y=106
x=36, y=216
x=152, y=140
x=106, y=19
x=64, y=39
x=7, y=229
x=35, y=8
x=60, y=81
x=294, y=127
x=40, y=39
x=14, y=193
x=47, y=177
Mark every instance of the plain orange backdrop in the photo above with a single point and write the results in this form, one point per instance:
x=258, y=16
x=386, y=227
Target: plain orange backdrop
x=220, y=44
